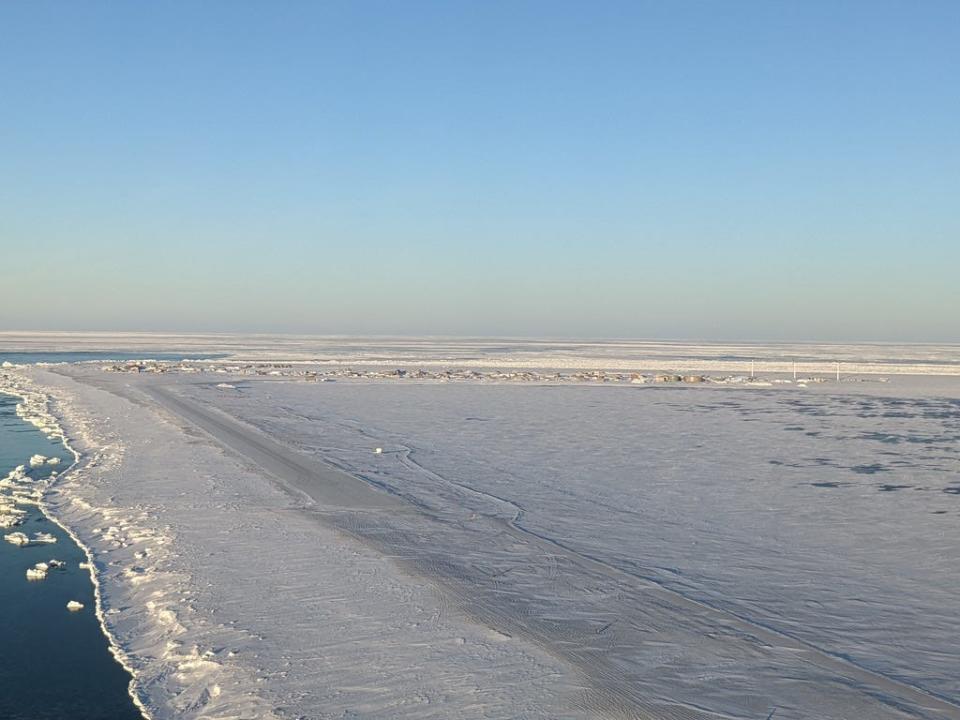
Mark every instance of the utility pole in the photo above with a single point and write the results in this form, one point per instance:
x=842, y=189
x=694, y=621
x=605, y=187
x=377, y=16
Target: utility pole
x=794, y=370
x=838, y=371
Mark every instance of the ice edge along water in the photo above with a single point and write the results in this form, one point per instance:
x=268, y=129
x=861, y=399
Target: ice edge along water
x=144, y=603
x=33, y=407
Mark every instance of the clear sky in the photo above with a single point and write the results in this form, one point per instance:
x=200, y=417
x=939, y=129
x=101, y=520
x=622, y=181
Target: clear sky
x=717, y=170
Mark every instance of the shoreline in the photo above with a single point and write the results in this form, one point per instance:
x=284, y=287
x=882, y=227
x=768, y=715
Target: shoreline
x=50, y=420
x=206, y=650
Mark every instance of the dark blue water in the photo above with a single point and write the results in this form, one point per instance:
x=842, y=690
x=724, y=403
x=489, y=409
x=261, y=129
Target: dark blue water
x=29, y=358
x=54, y=664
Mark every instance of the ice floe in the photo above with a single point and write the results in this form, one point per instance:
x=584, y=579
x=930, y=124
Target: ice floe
x=38, y=571
x=8, y=521
x=22, y=539
x=17, y=538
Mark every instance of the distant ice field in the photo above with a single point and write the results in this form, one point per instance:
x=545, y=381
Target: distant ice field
x=32, y=358
x=545, y=353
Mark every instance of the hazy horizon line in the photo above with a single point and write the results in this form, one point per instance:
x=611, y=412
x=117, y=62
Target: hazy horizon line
x=485, y=337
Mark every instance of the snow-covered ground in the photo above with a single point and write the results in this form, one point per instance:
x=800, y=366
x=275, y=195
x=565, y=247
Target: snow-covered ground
x=521, y=551
x=229, y=600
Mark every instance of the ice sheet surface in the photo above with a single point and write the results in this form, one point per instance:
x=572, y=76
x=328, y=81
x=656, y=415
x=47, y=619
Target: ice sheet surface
x=553, y=551
x=829, y=515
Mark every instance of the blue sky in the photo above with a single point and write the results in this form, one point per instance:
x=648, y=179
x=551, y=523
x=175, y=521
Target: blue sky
x=716, y=170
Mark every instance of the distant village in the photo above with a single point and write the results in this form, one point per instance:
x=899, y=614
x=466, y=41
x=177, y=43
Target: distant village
x=330, y=374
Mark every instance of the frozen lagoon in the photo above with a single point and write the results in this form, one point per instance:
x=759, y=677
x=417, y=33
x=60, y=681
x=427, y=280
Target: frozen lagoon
x=534, y=551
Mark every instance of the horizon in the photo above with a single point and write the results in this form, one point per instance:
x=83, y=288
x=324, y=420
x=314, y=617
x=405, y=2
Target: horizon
x=692, y=341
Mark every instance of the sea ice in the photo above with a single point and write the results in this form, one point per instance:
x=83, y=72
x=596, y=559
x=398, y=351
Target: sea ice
x=38, y=571
x=17, y=538
x=536, y=551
